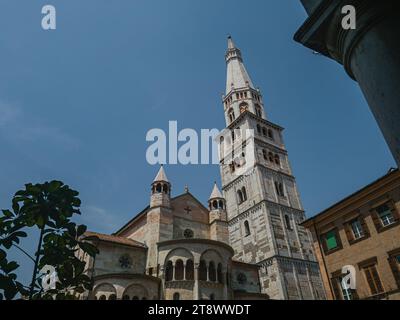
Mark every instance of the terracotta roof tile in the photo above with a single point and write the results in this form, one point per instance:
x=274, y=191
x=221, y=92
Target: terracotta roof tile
x=114, y=239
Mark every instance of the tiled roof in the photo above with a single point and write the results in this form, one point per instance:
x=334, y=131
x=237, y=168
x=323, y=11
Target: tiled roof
x=114, y=239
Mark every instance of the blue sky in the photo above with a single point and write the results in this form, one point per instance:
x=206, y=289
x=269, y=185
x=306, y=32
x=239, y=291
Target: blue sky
x=76, y=103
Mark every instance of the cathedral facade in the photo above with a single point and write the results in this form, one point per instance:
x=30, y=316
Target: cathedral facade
x=247, y=242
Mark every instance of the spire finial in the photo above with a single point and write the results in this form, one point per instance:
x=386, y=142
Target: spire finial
x=161, y=176
x=186, y=189
x=215, y=194
x=231, y=44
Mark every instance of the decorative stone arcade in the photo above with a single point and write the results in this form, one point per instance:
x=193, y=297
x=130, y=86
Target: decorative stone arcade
x=370, y=54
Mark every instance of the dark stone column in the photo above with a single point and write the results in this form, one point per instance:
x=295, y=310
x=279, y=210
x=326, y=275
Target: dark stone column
x=370, y=54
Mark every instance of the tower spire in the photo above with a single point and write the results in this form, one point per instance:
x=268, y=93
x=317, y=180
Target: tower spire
x=237, y=76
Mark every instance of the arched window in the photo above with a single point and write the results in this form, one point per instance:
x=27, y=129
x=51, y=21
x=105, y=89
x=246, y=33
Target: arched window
x=165, y=189
x=270, y=134
x=215, y=204
x=112, y=297
x=212, y=273
x=158, y=188
x=189, y=270
x=277, y=160
x=240, y=196
x=246, y=228
x=271, y=156
x=177, y=296
x=231, y=114
x=212, y=296
x=126, y=297
x=169, y=271
x=244, y=194
x=264, y=131
x=103, y=297
x=265, y=156
x=135, y=298
x=287, y=222
x=221, y=204
x=203, y=271
x=278, y=188
x=219, y=273
x=258, y=111
x=179, y=270
x=258, y=129
x=281, y=190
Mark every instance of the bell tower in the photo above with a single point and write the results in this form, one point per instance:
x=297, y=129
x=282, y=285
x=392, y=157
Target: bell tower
x=160, y=190
x=263, y=204
x=218, y=218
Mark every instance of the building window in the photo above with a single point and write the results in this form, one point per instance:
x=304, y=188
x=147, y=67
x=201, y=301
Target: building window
x=258, y=129
x=150, y=271
x=212, y=272
x=373, y=280
x=219, y=273
x=258, y=111
x=244, y=194
x=240, y=196
x=179, y=270
x=231, y=115
x=341, y=292
x=246, y=228
x=189, y=270
x=188, y=234
x=394, y=261
x=264, y=152
x=357, y=229
x=169, y=271
x=277, y=160
x=176, y=296
x=212, y=296
x=385, y=215
x=270, y=134
x=279, y=189
x=331, y=241
x=125, y=262
x=203, y=271
x=287, y=222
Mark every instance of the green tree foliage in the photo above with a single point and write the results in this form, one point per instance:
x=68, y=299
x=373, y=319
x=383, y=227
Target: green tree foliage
x=48, y=208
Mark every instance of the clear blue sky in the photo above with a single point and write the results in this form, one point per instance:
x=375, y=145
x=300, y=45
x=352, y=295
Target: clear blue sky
x=76, y=103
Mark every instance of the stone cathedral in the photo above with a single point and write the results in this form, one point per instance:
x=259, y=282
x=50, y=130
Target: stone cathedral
x=245, y=244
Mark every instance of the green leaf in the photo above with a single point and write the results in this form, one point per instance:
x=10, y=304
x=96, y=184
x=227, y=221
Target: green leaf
x=11, y=266
x=81, y=230
x=8, y=213
x=54, y=185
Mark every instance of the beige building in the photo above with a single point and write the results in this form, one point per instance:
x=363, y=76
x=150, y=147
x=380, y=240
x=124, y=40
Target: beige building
x=174, y=249
x=363, y=231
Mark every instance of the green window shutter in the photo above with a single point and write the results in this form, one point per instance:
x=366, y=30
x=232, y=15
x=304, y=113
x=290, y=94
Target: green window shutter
x=331, y=242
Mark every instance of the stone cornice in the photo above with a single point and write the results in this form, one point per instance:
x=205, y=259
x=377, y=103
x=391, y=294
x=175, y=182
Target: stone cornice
x=255, y=207
x=236, y=180
x=269, y=261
